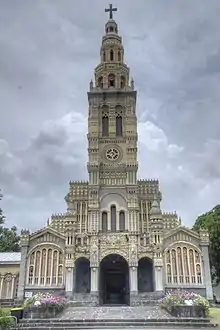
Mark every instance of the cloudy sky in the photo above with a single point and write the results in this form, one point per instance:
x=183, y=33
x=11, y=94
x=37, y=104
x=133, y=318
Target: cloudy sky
x=48, y=50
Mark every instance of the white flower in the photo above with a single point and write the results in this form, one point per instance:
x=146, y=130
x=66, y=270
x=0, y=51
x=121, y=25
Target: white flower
x=188, y=302
x=37, y=303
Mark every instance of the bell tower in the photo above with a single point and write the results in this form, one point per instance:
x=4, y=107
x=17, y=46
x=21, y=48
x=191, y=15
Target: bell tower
x=112, y=122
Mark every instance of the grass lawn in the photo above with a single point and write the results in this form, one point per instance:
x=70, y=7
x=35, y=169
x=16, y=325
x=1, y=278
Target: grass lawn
x=215, y=315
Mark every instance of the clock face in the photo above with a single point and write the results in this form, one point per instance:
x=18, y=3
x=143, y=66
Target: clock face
x=112, y=154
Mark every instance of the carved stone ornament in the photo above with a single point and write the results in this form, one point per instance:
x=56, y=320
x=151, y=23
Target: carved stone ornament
x=113, y=240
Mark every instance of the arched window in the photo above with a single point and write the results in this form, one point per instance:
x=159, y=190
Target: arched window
x=111, y=80
x=122, y=221
x=104, y=222
x=45, y=267
x=119, y=56
x=183, y=265
x=111, y=29
x=100, y=82
x=111, y=55
x=105, y=125
x=122, y=82
x=104, y=56
x=113, y=218
x=119, y=125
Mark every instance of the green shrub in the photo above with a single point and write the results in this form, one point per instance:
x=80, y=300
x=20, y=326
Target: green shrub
x=6, y=321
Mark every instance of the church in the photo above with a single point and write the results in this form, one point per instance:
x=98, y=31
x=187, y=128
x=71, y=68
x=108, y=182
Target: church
x=113, y=244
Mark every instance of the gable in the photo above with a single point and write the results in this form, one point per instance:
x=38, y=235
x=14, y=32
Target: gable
x=181, y=234
x=47, y=235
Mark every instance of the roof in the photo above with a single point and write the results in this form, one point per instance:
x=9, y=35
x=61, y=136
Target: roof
x=10, y=257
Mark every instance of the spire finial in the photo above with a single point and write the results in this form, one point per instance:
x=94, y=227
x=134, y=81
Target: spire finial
x=110, y=11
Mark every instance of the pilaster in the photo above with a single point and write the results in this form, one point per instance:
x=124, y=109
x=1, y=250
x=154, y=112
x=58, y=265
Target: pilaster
x=94, y=271
x=23, y=265
x=207, y=279
x=133, y=277
x=94, y=263
x=206, y=271
x=69, y=280
x=158, y=274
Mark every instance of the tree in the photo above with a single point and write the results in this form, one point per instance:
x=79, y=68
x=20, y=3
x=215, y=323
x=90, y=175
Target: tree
x=211, y=222
x=9, y=239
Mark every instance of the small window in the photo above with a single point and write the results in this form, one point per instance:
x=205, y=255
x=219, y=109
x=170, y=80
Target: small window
x=111, y=29
x=122, y=82
x=104, y=56
x=119, y=56
x=105, y=126
x=100, y=82
x=113, y=218
x=122, y=221
x=119, y=126
x=111, y=80
x=104, y=222
x=111, y=55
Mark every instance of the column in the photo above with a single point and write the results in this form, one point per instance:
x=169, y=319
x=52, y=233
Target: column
x=1, y=285
x=13, y=286
x=69, y=282
x=158, y=274
x=207, y=280
x=94, y=273
x=133, y=279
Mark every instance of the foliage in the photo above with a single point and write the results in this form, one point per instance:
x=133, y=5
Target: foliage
x=46, y=300
x=211, y=222
x=6, y=321
x=9, y=240
x=181, y=297
x=215, y=315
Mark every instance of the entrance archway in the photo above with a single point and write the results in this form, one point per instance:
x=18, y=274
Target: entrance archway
x=82, y=275
x=114, y=281
x=145, y=275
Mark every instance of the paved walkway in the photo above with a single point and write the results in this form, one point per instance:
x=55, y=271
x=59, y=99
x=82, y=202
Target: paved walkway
x=115, y=313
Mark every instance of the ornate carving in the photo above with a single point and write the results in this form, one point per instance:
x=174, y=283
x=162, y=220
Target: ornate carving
x=114, y=240
x=133, y=259
x=121, y=252
x=94, y=251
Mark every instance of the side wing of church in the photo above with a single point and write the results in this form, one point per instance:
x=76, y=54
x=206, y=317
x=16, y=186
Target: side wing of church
x=113, y=245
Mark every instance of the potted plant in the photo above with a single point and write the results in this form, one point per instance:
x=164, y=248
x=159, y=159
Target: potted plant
x=181, y=303
x=44, y=305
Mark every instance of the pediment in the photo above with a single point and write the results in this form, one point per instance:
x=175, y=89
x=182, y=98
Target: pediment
x=47, y=234
x=182, y=233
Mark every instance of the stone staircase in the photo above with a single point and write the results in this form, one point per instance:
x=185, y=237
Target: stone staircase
x=139, y=299
x=146, y=298
x=117, y=317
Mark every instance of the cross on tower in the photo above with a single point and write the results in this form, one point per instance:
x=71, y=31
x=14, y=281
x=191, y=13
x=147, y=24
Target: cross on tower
x=110, y=11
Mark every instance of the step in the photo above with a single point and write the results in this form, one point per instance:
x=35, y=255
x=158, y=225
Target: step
x=113, y=325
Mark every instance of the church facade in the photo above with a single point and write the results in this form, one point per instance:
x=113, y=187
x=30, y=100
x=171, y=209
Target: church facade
x=113, y=245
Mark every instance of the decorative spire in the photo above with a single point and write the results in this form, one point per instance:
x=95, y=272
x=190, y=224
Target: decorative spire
x=155, y=208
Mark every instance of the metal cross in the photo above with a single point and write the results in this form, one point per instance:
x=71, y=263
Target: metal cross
x=110, y=11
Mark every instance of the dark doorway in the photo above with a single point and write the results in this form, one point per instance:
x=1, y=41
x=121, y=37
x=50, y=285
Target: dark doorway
x=82, y=273
x=114, y=280
x=145, y=275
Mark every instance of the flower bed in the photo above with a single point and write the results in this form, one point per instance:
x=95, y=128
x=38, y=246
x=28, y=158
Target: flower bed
x=181, y=303
x=44, y=305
